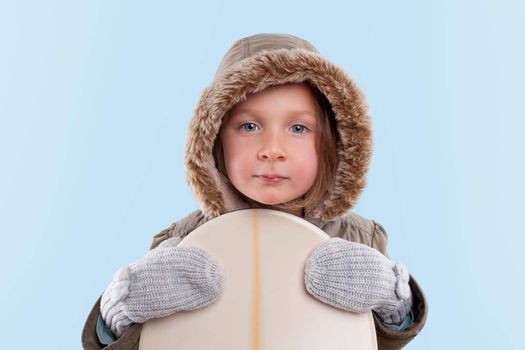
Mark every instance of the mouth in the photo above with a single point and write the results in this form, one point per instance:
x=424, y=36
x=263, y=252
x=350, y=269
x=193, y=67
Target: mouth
x=271, y=178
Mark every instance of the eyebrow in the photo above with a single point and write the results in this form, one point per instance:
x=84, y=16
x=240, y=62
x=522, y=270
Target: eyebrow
x=255, y=113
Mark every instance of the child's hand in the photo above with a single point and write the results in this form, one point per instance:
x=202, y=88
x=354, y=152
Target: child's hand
x=354, y=277
x=166, y=280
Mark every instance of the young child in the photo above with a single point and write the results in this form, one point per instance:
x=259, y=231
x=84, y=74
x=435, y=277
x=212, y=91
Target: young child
x=280, y=127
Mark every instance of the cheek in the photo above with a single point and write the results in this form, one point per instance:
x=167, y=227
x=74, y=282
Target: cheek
x=307, y=161
x=235, y=157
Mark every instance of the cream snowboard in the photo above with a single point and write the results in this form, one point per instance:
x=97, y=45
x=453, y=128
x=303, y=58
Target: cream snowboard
x=264, y=304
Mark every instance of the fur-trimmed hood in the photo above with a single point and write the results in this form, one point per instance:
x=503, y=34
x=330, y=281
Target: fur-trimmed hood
x=251, y=65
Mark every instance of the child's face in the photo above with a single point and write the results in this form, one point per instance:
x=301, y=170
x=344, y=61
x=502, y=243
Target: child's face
x=269, y=144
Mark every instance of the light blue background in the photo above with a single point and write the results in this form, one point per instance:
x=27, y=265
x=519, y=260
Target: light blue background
x=95, y=99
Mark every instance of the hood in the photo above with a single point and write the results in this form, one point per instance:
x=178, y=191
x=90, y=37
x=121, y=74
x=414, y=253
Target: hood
x=251, y=65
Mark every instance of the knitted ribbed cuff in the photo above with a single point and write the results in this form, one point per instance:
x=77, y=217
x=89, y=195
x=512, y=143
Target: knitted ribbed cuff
x=396, y=313
x=112, y=308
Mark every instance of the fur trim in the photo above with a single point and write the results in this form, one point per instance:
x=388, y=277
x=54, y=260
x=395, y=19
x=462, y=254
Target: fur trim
x=254, y=74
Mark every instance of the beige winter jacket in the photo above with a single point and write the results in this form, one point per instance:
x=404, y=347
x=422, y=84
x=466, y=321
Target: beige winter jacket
x=249, y=66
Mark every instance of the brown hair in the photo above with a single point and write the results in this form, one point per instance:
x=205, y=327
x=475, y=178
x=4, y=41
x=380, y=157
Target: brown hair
x=326, y=147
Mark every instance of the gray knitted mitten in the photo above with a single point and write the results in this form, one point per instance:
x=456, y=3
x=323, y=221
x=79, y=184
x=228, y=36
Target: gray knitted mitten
x=166, y=280
x=354, y=277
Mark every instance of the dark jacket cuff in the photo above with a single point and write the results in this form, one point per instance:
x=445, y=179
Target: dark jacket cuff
x=389, y=339
x=90, y=341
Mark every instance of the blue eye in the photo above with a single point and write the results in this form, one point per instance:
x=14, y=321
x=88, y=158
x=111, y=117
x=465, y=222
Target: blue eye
x=250, y=127
x=298, y=128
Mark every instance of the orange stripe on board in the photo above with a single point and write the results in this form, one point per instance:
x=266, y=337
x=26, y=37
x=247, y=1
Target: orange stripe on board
x=256, y=311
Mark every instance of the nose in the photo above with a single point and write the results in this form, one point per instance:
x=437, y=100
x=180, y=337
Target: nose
x=272, y=148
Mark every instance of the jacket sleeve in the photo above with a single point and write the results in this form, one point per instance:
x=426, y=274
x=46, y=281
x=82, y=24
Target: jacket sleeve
x=128, y=341
x=388, y=339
